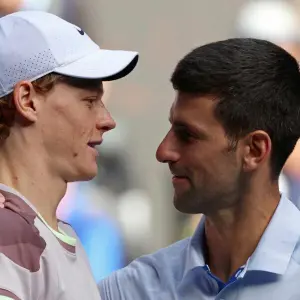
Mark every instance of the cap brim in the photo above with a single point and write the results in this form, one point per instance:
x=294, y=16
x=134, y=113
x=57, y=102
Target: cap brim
x=106, y=65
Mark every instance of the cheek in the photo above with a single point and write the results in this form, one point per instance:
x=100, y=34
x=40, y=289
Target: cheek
x=73, y=123
x=77, y=141
x=200, y=155
x=66, y=135
x=209, y=162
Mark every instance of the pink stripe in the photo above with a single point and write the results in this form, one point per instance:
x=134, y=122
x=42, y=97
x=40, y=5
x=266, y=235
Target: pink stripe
x=8, y=294
x=68, y=247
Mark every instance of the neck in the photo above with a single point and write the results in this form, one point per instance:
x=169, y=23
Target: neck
x=31, y=177
x=232, y=234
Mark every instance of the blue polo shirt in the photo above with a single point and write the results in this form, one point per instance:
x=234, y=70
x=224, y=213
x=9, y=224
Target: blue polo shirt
x=179, y=271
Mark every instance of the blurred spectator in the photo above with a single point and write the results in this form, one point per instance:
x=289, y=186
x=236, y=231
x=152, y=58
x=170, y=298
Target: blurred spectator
x=135, y=216
x=278, y=22
x=10, y=6
x=85, y=208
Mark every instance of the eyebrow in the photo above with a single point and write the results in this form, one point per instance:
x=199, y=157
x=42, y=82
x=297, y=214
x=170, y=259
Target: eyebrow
x=193, y=129
x=181, y=124
x=100, y=90
x=170, y=115
x=94, y=85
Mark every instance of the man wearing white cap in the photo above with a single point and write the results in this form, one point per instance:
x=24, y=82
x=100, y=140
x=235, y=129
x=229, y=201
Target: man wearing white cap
x=51, y=119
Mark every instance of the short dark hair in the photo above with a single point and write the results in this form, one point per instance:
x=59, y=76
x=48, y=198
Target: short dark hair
x=257, y=85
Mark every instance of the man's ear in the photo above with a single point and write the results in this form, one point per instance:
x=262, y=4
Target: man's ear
x=25, y=100
x=257, y=149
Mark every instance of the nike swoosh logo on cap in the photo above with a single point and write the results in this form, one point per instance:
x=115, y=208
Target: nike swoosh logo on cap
x=80, y=31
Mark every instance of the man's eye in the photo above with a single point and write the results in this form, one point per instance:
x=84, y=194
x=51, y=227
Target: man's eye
x=90, y=102
x=182, y=134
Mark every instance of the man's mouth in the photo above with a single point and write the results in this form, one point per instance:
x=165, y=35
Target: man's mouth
x=177, y=174
x=93, y=144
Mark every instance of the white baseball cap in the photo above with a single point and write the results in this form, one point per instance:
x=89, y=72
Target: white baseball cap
x=35, y=43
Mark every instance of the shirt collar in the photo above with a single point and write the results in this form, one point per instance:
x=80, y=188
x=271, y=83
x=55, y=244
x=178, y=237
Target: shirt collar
x=279, y=240
x=26, y=207
x=9, y=192
x=274, y=250
x=194, y=252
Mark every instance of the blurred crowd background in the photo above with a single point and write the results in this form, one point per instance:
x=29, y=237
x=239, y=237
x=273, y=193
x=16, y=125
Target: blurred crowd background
x=127, y=210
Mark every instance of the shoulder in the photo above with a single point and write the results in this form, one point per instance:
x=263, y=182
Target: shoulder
x=153, y=270
x=20, y=240
x=161, y=261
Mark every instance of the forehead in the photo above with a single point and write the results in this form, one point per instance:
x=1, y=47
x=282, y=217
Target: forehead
x=65, y=96
x=79, y=89
x=197, y=113
x=193, y=108
x=93, y=85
